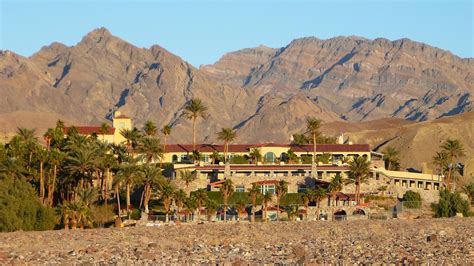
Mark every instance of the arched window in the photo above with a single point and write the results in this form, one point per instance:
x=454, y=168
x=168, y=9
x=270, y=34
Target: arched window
x=174, y=158
x=269, y=157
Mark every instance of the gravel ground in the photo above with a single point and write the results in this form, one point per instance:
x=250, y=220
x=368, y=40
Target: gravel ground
x=434, y=241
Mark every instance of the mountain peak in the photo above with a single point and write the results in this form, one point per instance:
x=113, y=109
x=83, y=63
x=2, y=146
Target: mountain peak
x=99, y=32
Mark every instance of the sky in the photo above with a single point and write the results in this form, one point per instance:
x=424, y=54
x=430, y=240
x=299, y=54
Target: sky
x=200, y=32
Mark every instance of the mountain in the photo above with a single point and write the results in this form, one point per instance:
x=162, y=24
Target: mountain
x=357, y=78
x=365, y=88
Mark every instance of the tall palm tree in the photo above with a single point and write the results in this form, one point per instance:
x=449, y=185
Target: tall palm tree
x=227, y=135
x=319, y=195
x=180, y=198
x=240, y=208
x=441, y=161
x=215, y=157
x=292, y=157
x=280, y=190
x=129, y=175
x=335, y=186
x=191, y=206
x=312, y=126
x=359, y=172
x=166, y=131
x=227, y=188
x=150, y=129
x=454, y=150
x=104, y=128
x=254, y=193
x=55, y=159
x=201, y=198
x=152, y=179
x=167, y=193
x=132, y=137
x=256, y=155
x=391, y=157
x=307, y=197
x=187, y=176
x=81, y=165
x=194, y=109
x=266, y=199
x=27, y=137
x=211, y=208
x=150, y=148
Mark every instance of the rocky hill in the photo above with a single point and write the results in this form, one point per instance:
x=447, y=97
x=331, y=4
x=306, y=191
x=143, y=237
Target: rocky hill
x=265, y=93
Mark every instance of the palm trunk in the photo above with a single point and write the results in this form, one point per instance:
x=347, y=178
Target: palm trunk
x=118, y=201
x=41, y=182
x=194, y=134
x=225, y=212
x=278, y=209
x=106, y=193
x=448, y=180
x=265, y=213
x=128, y=199
x=317, y=210
x=314, y=148
x=253, y=210
x=306, y=214
x=164, y=152
x=51, y=192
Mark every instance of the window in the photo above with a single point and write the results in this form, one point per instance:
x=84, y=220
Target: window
x=269, y=157
x=240, y=188
x=121, y=125
x=206, y=158
x=301, y=188
x=174, y=158
x=270, y=188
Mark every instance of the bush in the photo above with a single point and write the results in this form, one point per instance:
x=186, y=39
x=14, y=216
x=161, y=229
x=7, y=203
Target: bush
x=449, y=204
x=216, y=196
x=102, y=214
x=412, y=200
x=20, y=208
x=292, y=199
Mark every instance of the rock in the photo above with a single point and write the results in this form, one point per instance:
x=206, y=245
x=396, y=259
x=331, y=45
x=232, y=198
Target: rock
x=432, y=238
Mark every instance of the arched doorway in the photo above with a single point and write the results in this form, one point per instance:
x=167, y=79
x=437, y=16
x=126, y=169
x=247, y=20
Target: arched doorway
x=340, y=215
x=269, y=157
x=174, y=158
x=358, y=212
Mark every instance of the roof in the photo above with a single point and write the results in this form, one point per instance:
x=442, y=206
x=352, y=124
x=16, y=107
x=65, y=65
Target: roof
x=285, y=167
x=266, y=182
x=89, y=130
x=121, y=117
x=308, y=148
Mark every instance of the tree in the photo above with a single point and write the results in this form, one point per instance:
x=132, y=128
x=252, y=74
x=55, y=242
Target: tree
x=240, y=207
x=227, y=188
x=411, y=199
x=312, y=125
x=129, y=175
x=391, y=158
x=440, y=160
x=191, y=206
x=215, y=156
x=151, y=179
x=359, y=172
x=307, y=197
x=211, y=209
x=267, y=198
x=227, y=135
x=104, y=129
x=280, y=190
x=132, y=137
x=167, y=192
x=151, y=149
x=450, y=204
x=454, y=150
x=180, y=200
x=319, y=195
x=188, y=177
x=150, y=129
x=81, y=163
x=166, y=131
x=194, y=109
x=292, y=157
x=256, y=155
x=468, y=189
x=254, y=192
x=195, y=156
x=201, y=198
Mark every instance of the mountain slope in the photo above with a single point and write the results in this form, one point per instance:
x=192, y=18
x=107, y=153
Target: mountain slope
x=362, y=79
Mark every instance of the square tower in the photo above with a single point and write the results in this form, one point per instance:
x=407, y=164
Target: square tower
x=121, y=122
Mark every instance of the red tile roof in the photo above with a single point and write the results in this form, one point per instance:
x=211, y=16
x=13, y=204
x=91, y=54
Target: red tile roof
x=121, y=117
x=308, y=148
x=266, y=182
x=89, y=130
x=286, y=167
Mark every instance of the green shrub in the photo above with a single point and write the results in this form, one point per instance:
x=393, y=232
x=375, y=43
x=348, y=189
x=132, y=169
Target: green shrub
x=412, y=200
x=20, y=208
x=292, y=199
x=449, y=204
x=102, y=214
x=216, y=196
x=239, y=159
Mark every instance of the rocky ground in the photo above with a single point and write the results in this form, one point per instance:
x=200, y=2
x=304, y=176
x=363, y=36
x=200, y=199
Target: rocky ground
x=446, y=241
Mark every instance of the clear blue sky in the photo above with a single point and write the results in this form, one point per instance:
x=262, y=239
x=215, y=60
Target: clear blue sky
x=202, y=31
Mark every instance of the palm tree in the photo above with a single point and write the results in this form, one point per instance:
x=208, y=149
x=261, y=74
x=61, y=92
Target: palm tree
x=227, y=188
x=132, y=137
x=104, y=128
x=211, y=208
x=254, y=192
x=180, y=198
x=240, y=207
x=280, y=190
x=391, y=157
x=152, y=178
x=312, y=125
x=166, y=131
x=151, y=149
x=292, y=157
x=167, y=193
x=150, y=129
x=215, y=157
x=359, y=172
x=194, y=109
x=129, y=175
x=227, y=135
x=191, y=205
x=55, y=159
x=267, y=198
x=256, y=155
x=27, y=137
x=201, y=198
x=187, y=176
x=454, y=150
x=441, y=161
x=319, y=195
x=81, y=164
x=307, y=197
